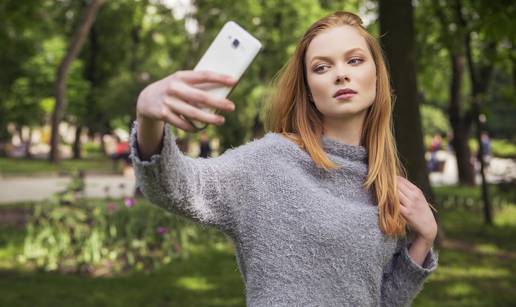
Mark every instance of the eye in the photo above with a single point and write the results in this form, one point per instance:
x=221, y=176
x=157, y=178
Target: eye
x=319, y=69
x=355, y=61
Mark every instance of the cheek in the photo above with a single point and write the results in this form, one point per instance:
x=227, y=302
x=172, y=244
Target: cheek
x=319, y=86
x=368, y=82
x=373, y=86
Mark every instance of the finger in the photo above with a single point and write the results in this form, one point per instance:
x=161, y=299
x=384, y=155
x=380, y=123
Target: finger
x=403, y=187
x=181, y=107
x=404, y=210
x=407, y=189
x=196, y=96
x=201, y=76
x=404, y=200
x=178, y=122
x=403, y=181
x=409, y=184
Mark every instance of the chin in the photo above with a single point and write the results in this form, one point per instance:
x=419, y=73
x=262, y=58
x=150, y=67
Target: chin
x=345, y=112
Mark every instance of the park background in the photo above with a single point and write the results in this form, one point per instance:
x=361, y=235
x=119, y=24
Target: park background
x=73, y=229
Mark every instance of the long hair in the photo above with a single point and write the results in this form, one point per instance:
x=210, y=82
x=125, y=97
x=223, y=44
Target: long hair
x=293, y=115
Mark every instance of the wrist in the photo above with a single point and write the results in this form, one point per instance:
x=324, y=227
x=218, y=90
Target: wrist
x=427, y=241
x=150, y=135
x=147, y=121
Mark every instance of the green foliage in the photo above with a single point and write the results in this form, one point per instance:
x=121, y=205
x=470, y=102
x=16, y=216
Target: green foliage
x=499, y=148
x=92, y=150
x=152, y=39
x=21, y=24
x=31, y=97
x=500, y=103
x=434, y=120
x=438, y=35
x=70, y=234
x=503, y=149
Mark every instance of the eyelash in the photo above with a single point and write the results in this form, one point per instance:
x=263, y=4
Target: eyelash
x=317, y=70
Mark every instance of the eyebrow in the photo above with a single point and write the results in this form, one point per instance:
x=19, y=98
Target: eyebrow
x=345, y=53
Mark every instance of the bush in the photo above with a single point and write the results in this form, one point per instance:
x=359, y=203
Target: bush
x=72, y=234
x=433, y=120
x=500, y=148
x=93, y=150
x=503, y=149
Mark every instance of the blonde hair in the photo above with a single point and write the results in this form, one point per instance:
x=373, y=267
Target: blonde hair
x=293, y=115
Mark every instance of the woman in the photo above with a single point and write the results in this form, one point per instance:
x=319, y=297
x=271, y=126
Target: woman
x=318, y=207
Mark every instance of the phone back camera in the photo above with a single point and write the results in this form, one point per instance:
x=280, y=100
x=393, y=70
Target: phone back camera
x=235, y=43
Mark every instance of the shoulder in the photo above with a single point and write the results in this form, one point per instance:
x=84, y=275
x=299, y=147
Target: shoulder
x=269, y=148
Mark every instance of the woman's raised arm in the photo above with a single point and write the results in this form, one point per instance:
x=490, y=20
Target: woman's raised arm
x=195, y=188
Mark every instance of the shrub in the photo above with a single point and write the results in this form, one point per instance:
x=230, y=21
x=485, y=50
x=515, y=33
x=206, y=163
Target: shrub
x=69, y=233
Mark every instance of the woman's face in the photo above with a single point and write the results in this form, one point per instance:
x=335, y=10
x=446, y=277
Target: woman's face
x=339, y=59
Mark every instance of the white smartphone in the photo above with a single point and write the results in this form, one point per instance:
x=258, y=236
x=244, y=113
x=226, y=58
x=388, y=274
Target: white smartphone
x=230, y=53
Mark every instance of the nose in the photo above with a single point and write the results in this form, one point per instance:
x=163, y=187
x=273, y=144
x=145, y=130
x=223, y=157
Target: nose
x=341, y=78
x=342, y=74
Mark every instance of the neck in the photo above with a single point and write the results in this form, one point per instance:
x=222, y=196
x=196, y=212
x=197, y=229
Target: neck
x=345, y=130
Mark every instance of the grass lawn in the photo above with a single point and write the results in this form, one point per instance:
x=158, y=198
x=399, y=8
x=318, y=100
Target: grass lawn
x=208, y=278
x=480, y=271
x=31, y=167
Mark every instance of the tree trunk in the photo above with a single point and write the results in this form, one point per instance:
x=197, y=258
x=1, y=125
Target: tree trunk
x=77, y=143
x=76, y=44
x=27, y=143
x=461, y=125
x=103, y=144
x=399, y=45
x=480, y=77
x=4, y=133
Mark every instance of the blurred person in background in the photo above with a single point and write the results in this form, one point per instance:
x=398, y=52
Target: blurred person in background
x=204, y=145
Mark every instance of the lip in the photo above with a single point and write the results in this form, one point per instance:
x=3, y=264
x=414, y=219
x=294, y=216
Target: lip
x=345, y=96
x=344, y=93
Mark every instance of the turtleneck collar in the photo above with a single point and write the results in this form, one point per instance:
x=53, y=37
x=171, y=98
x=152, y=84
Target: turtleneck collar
x=333, y=147
x=347, y=151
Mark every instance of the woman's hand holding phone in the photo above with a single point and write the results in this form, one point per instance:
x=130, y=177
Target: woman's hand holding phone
x=180, y=98
x=176, y=95
x=168, y=99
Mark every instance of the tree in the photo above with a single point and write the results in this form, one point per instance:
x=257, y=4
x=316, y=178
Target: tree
x=480, y=73
x=473, y=33
x=399, y=46
x=24, y=27
x=453, y=38
x=60, y=87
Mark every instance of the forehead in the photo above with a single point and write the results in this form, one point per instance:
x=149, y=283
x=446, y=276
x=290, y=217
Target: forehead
x=337, y=39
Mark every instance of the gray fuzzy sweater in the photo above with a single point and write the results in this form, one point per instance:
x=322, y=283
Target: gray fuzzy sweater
x=303, y=236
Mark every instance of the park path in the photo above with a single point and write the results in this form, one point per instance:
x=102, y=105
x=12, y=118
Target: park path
x=19, y=189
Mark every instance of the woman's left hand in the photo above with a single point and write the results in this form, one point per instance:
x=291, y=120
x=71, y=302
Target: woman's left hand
x=416, y=210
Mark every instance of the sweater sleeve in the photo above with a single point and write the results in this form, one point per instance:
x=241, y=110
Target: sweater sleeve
x=194, y=188
x=403, y=279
